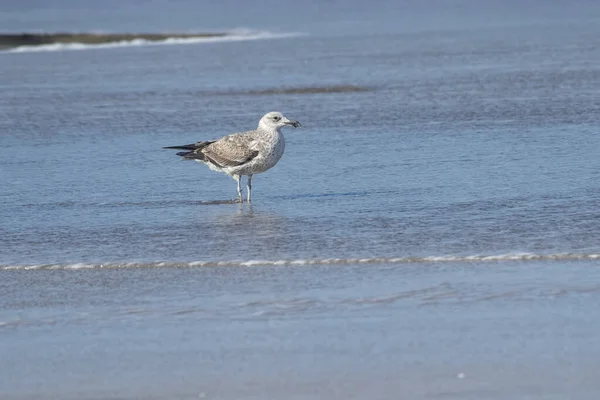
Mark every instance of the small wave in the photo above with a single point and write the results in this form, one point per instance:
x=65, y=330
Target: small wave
x=235, y=36
x=316, y=261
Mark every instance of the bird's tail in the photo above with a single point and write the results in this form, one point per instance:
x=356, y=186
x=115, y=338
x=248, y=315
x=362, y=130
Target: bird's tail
x=191, y=146
x=182, y=147
x=192, y=152
x=192, y=155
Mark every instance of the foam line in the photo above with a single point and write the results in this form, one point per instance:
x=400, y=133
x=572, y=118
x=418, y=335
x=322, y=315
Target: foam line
x=322, y=261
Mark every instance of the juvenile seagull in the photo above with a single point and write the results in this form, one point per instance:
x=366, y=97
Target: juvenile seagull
x=244, y=153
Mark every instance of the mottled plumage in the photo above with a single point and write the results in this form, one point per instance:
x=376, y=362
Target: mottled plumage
x=243, y=153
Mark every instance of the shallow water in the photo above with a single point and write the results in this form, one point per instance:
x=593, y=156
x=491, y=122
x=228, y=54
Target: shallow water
x=435, y=160
x=443, y=221
x=451, y=330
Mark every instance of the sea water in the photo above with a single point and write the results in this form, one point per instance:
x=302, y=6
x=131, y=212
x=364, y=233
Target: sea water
x=432, y=235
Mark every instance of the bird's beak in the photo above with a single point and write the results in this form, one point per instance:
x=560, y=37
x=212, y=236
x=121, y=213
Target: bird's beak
x=295, y=124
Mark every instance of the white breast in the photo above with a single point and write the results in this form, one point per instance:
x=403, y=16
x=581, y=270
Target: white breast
x=270, y=146
x=276, y=151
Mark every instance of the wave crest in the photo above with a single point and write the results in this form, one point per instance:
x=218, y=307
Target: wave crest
x=317, y=261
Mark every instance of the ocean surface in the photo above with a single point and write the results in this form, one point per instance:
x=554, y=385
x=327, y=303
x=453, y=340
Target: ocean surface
x=435, y=235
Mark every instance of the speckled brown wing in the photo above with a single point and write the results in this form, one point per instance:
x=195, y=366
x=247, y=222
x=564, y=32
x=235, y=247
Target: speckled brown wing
x=231, y=151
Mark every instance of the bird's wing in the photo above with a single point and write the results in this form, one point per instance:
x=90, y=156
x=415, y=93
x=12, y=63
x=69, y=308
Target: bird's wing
x=232, y=150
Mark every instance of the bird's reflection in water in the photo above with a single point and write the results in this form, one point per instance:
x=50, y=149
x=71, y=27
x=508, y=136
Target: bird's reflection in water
x=245, y=232
x=217, y=202
x=247, y=219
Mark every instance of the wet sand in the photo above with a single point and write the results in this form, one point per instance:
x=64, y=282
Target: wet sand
x=288, y=90
x=9, y=40
x=311, y=90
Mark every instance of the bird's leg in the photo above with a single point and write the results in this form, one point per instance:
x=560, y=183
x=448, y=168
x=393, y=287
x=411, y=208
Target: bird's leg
x=249, y=187
x=239, y=187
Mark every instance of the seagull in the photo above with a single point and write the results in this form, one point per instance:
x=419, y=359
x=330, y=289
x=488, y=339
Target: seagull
x=243, y=153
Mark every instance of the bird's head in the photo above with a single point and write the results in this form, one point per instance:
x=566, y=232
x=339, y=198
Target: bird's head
x=277, y=120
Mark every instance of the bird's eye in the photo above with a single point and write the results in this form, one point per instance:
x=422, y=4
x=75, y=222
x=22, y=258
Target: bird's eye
x=276, y=118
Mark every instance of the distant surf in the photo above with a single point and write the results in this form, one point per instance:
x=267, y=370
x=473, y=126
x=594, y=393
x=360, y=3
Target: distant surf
x=131, y=40
x=324, y=261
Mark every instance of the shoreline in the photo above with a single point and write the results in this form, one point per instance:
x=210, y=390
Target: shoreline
x=12, y=40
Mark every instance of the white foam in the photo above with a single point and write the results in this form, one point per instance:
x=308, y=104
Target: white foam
x=253, y=263
x=234, y=36
x=523, y=257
